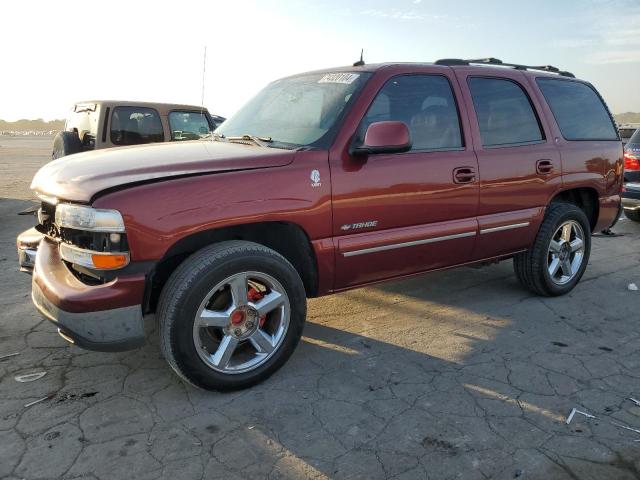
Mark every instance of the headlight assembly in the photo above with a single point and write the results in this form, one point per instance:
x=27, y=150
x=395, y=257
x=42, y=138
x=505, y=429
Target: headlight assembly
x=90, y=219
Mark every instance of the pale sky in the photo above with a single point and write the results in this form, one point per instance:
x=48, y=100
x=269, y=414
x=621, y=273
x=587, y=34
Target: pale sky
x=56, y=53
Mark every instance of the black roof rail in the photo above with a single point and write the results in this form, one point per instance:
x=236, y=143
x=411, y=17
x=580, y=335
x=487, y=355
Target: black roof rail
x=497, y=61
x=546, y=68
x=451, y=61
x=489, y=60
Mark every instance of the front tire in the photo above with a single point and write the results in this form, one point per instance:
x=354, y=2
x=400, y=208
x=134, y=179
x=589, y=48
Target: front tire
x=560, y=253
x=231, y=315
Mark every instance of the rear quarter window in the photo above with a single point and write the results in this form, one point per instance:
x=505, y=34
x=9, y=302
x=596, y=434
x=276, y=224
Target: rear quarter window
x=579, y=111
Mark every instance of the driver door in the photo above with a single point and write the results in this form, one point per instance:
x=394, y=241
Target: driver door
x=402, y=213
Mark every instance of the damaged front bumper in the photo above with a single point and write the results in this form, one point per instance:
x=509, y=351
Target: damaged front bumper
x=105, y=317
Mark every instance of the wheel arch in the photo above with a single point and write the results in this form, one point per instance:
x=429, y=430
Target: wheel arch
x=585, y=198
x=287, y=238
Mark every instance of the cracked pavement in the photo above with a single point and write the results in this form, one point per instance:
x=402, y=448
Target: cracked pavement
x=455, y=374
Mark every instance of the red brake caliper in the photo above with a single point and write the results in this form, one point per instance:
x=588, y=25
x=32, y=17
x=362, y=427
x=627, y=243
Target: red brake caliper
x=254, y=295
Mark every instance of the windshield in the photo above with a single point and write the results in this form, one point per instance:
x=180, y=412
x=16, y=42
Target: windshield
x=297, y=111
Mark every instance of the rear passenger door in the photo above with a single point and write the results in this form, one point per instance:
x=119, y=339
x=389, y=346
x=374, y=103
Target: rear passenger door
x=519, y=164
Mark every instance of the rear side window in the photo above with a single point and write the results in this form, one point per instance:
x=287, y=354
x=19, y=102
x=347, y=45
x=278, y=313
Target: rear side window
x=504, y=111
x=425, y=103
x=578, y=110
x=635, y=138
x=188, y=125
x=135, y=125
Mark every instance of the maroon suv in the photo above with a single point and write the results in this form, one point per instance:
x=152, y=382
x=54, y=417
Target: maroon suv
x=323, y=182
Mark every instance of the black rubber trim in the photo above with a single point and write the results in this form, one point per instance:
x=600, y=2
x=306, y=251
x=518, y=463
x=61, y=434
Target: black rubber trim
x=133, y=268
x=106, y=124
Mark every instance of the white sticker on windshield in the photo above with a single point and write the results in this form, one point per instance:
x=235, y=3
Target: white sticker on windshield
x=346, y=78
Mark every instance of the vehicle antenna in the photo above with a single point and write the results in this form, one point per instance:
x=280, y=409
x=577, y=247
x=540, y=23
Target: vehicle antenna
x=204, y=71
x=360, y=62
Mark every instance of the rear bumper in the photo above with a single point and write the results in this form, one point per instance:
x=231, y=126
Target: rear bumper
x=106, y=317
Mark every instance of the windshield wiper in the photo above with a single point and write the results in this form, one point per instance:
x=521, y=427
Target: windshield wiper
x=260, y=141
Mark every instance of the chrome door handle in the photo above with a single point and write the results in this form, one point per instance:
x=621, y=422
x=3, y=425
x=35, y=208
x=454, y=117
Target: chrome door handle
x=544, y=167
x=464, y=175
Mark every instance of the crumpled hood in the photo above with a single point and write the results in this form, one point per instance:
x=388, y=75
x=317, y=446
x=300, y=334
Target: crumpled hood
x=81, y=176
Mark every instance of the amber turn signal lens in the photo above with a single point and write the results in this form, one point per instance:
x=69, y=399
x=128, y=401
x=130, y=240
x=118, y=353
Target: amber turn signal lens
x=109, y=261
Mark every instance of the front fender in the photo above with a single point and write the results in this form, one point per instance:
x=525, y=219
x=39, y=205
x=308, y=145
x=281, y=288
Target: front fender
x=159, y=215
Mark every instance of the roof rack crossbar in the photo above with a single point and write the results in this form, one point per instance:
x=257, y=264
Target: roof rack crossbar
x=497, y=61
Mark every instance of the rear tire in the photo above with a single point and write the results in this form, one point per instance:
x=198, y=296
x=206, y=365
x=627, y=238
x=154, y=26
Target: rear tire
x=65, y=143
x=213, y=327
x=633, y=215
x=550, y=268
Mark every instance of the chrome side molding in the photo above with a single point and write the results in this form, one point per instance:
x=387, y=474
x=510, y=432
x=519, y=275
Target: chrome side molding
x=504, y=227
x=424, y=241
x=413, y=243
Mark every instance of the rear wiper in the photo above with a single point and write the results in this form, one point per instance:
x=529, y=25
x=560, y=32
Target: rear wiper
x=260, y=141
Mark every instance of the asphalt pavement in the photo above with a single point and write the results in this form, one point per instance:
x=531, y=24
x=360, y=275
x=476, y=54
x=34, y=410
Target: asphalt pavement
x=456, y=374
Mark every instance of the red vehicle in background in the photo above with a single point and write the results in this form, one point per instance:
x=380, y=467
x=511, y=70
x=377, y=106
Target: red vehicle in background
x=325, y=181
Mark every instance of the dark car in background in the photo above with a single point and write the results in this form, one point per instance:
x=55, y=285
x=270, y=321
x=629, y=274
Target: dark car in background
x=631, y=195
x=626, y=131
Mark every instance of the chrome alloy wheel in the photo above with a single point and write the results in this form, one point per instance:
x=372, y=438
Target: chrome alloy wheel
x=241, y=322
x=566, y=252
